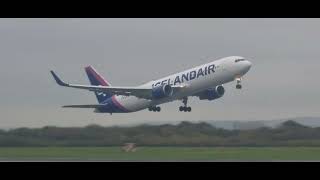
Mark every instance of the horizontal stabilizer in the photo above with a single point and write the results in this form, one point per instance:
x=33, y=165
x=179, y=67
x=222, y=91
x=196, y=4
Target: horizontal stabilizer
x=84, y=106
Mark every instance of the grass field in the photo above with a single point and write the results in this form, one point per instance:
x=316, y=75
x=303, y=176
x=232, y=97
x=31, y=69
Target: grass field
x=161, y=154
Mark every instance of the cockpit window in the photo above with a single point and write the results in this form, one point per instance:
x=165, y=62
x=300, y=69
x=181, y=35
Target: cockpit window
x=238, y=60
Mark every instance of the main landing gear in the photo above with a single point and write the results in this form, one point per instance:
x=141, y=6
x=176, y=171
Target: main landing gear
x=185, y=108
x=155, y=109
x=238, y=86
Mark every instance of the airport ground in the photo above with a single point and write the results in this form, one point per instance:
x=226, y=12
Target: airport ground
x=160, y=154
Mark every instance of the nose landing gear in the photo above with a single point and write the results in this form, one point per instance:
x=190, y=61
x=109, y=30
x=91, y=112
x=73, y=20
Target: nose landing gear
x=238, y=86
x=185, y=108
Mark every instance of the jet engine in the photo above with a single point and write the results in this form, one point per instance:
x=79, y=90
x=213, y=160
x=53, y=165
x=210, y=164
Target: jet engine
x=162, y=91
x=211, y=94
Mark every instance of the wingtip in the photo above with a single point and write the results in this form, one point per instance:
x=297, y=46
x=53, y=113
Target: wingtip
x=57, y=79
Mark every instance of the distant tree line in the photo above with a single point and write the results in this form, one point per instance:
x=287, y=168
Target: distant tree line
x=289, y=133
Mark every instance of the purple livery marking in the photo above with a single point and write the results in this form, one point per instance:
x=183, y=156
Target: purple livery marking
x=97, y=76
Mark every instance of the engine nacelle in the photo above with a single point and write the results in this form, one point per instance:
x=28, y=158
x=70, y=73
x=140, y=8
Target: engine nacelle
x=211, y=94
x=162, y=91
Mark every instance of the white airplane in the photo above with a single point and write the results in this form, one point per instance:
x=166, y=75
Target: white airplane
x=204, y=81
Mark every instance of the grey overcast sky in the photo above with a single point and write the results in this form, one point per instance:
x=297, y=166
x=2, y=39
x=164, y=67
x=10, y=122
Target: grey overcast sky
x=283, y=81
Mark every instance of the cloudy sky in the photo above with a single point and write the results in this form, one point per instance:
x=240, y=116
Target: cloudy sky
x=283, y=81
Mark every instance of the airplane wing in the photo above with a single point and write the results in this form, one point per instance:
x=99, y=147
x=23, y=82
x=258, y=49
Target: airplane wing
x=145, y=93
x=84, y=106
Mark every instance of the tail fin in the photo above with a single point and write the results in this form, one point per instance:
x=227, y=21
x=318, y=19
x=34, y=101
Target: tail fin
x=96, y=79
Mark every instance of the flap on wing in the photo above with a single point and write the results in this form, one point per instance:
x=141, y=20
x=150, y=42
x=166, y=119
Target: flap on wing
x=84, y=106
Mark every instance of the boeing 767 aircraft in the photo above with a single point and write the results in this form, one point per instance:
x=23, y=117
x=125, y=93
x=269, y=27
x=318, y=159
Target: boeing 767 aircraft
x=204, y=81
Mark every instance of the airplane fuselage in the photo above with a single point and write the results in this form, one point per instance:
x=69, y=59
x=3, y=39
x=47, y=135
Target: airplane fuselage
x=193, y=80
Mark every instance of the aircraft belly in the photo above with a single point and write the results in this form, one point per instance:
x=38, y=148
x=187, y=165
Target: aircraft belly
x=133, y=103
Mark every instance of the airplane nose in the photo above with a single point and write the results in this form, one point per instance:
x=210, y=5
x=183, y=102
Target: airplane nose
x=247, y=66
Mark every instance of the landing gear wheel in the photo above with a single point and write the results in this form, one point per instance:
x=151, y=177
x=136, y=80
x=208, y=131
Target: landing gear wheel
x=238, y=86
x=185, y=108
x=154, y=109
x=188, y=109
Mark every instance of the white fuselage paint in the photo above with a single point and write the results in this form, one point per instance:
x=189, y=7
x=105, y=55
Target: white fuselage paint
x=226, y=70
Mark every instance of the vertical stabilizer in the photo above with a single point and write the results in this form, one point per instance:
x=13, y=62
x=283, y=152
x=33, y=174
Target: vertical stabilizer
x=97, y=80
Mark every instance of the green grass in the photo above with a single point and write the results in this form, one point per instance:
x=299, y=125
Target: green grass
x=161, y=153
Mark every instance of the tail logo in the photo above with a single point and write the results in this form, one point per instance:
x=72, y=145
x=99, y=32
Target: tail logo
x=101, y=94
